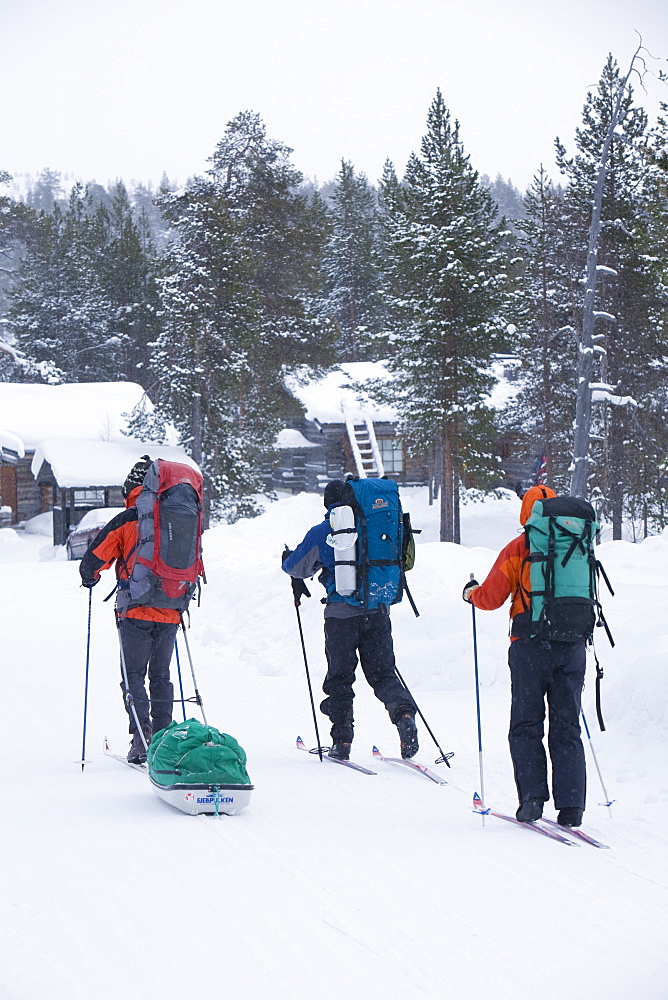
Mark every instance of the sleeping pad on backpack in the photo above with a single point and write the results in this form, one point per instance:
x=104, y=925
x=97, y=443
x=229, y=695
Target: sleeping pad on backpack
x=198, y=769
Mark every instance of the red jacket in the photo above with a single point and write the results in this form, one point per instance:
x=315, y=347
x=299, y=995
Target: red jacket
x=116, y=543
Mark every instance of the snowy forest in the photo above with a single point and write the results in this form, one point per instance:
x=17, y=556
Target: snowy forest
x=211, y=294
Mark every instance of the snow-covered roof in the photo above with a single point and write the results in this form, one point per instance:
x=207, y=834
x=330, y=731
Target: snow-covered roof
x=326, y=399
x=92, y=410
x=289, y=438
x=11, y=443
x=78, y=464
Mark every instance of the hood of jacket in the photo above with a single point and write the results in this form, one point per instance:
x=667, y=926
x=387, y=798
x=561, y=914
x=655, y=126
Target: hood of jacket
x=528, y=500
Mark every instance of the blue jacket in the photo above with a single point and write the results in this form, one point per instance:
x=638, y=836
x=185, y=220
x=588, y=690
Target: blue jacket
x=313, y=554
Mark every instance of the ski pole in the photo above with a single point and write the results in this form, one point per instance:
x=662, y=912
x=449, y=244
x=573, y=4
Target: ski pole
x=308, y=677
x=198, y=697
x=178, y=670
x=85, y=711
x=445, y=757
x=608, y=801
x=477, y=701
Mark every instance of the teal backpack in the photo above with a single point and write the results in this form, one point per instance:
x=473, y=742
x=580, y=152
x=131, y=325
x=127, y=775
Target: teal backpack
x=563, y=604
x=564, y=571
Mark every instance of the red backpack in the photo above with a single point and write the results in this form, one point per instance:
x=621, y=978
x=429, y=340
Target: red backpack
x=167, y=561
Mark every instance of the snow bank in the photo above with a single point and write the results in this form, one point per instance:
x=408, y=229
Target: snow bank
x=42, y=524
x=378, y=871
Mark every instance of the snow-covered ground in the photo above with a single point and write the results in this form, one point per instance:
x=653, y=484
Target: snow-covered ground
x=331, y=884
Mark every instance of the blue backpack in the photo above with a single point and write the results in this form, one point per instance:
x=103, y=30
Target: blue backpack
x=385, y=545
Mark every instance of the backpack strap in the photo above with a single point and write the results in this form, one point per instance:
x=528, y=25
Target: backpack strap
x=596, y=571
x=119, y=580
x=599, y=678
x=578, y=540
x=548, y=572
x=522, y=592
x=363, y=541
x=342, y=531
x=408, y=593
x=599, y=569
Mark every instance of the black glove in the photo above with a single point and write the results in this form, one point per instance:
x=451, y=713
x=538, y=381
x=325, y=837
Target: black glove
x=299, y=589
x=471, y=585
x=89, y=584
x=286, y=552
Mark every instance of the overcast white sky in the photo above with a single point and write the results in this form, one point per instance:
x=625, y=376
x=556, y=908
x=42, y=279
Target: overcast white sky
x=132, y=88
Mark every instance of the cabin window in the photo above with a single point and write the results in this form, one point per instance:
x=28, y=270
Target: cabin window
x=392, y=454
x=88, y=498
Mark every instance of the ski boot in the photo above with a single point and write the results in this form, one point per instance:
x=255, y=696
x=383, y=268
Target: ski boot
x=137, y=751
x=570, y=816
x=408, y=735
x=530, y=811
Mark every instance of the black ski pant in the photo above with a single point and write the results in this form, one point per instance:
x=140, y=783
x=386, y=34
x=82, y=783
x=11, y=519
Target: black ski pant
x=147, y=646
x=554, y=671
x=369, y=635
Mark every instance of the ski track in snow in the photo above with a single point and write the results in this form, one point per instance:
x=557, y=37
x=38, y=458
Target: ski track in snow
x=332, y=883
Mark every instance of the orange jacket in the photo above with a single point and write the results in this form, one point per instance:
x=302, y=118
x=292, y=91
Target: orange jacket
x=116, y=543
x=510, y=574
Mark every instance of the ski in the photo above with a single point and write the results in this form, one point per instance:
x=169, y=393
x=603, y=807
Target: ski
x=335, y=760
x=571, y=831
x=413, y=764
x=123, y=760
x=479, y=808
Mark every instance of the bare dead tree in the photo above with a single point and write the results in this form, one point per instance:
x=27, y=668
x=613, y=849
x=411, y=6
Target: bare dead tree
x=589, y=344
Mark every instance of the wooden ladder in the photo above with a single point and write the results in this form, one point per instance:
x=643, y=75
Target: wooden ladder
x=364, y=446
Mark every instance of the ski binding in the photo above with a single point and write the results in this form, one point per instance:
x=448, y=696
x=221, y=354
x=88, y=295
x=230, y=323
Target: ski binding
x=334, y=760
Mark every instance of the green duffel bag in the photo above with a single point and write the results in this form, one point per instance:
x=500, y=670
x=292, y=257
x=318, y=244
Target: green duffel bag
x=190, y=753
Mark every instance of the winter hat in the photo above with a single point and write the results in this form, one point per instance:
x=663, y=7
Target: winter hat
x=528, y=500
x=333, y=492
x=136, y=475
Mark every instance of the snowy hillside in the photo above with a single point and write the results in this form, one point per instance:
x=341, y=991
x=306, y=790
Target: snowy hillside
x=332, y=885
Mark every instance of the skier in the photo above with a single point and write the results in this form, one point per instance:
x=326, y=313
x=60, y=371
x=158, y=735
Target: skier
x=351, y=629
x=538, y=669
x=147, y=634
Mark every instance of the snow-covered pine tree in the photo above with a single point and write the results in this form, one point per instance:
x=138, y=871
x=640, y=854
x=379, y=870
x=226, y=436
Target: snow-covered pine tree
x=128, y=271
x=60, y=313
x=150, y=220
x=445, y=280
x=508, y=198
x=241, y=274
x=145, y=422
x=646, y=482
x=85, y=299
x=18, y=224
x=543, y=303
x=47, y=192
x=351, y=286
